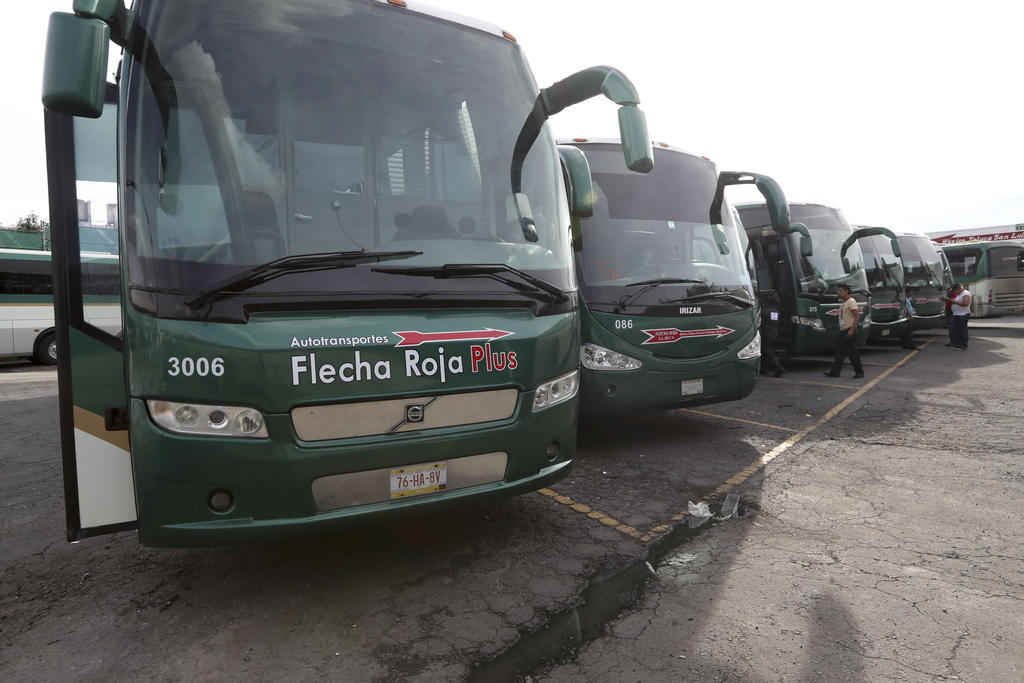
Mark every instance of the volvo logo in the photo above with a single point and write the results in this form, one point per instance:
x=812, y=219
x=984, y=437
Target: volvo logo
x=414, y=414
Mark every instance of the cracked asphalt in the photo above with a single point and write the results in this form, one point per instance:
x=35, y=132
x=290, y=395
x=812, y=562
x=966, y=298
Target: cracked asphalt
x=886, y=542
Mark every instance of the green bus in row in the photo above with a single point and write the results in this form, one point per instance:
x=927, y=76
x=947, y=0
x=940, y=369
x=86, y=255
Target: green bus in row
x=799, y=271
x=347, y=277
x=670, y=315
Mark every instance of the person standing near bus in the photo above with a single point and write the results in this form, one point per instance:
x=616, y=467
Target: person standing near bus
x=960, y=306
x=769, y=335
x=907, y=338
x=849, y=314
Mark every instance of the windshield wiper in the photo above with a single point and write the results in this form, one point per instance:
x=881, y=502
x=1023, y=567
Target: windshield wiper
x=249, y=278
x=646, y=285
x=745, y=302
x=495, y=271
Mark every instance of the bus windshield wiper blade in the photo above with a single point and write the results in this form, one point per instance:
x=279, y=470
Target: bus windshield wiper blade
x=257, y=275
x=646, y=285
x=746, y=302
x=664, y=281
x=494, y=271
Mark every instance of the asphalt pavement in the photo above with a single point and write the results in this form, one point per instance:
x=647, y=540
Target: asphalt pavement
x=879, y=535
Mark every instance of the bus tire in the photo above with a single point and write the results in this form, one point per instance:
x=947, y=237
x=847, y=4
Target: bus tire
x=46, y=350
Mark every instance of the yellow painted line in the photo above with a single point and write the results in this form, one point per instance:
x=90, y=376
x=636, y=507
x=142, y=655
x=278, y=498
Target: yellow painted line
x=823, y=359
x=753, y=467
x=736, y=419
x=591, y=513
x=813, y=384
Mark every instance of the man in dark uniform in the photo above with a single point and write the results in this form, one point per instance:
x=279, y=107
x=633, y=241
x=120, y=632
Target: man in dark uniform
x=769, y=334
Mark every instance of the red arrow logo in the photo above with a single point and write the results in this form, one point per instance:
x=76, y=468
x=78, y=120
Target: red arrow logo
x=672, y=334
x=417, y=338
x=835, y=311
x=928, y=301
x=884, y=306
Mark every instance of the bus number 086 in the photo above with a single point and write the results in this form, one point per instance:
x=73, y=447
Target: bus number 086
x=195, y=366
x=623, y=324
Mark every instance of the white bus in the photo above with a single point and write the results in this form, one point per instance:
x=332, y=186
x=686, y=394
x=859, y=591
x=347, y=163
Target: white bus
x=26, y=301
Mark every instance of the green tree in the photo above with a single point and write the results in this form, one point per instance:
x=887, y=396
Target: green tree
x=30, y=223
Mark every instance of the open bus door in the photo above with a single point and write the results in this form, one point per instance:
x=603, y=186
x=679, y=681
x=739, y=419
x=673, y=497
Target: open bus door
x=99, y=490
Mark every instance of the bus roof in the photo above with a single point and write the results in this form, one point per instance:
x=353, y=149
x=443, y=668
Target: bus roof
x=439, y=13
x=749, y=205
x=615, y=141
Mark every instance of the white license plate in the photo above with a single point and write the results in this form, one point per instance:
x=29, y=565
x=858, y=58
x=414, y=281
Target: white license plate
x=885, y=333
x=692, y=387
x=418, y=479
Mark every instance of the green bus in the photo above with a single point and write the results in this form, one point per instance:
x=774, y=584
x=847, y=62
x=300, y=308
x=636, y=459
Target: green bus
x=347, y=277
x=670, y=315
x=799, y=271
x=993, y=272
x=927, y=278
x=883, y=266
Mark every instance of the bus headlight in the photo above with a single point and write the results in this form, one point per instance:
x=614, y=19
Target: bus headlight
x=813, y=323
x=596, y=357
x=556, y=391
x=751, y=350
x=195, y=418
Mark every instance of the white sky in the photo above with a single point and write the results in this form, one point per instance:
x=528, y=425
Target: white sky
x=902, y=113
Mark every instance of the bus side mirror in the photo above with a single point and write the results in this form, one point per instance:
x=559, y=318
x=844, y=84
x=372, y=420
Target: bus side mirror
x=74, y=71
x=846, y=264
x=896, y=248
x=580, y=186
x=806, y=246
x=636, y=143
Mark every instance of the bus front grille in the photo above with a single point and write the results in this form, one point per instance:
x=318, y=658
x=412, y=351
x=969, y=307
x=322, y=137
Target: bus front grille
x=392, y=416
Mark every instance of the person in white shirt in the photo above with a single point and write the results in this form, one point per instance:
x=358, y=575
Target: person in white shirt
x=849, y=314
x=960, y=305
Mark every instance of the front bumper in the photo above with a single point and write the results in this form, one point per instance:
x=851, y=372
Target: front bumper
x=271, y=480
x=646, y=390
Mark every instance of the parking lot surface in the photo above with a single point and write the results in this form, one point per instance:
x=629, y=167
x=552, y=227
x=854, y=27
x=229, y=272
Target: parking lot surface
x=879, y=535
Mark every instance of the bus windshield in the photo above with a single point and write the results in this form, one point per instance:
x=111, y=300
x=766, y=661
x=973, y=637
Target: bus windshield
x=922, y=264
x=964, y=261
x=824, y=271
x=257, y=130
x=883, y=268
x=657, y=227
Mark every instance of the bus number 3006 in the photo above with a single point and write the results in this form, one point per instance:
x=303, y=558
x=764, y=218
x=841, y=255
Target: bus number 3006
x=195, y=366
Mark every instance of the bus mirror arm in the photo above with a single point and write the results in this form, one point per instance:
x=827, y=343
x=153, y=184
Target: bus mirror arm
x=868, y=232
x=113, y=13
x=582, y=85
x=774, y=197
